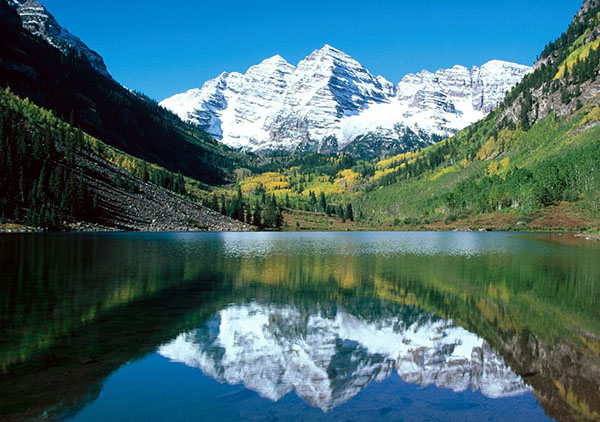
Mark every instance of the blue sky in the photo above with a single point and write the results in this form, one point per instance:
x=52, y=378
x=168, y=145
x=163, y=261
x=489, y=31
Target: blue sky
x=162, y=48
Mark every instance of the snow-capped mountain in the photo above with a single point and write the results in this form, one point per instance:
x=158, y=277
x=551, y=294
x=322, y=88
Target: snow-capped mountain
x=327, y=357
x=37, y=20
x=329, y=102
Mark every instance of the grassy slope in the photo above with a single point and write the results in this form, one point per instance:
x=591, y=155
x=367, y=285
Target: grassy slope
x=421, y=202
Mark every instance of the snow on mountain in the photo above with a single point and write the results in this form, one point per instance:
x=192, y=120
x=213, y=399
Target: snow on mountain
x=329, y=102
x=37, y=20
x=329, y=357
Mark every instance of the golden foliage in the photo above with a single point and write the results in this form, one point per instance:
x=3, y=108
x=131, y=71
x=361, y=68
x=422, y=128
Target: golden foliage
x=492, y=168
x=496, y=145
x=348, y=178
x=442, y=172
x=271, y=181
x=581, y=408
x=592, y=115
x=396, y=160
x=579, y=54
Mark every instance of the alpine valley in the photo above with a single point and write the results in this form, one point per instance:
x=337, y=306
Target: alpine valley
x=321, y=145
x=329, y=103
x=367, y=312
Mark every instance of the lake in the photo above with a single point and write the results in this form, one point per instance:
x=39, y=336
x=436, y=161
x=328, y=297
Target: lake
x=299, y=326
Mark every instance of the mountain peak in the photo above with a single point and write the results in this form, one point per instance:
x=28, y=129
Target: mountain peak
x=328, y=51
x=496, y=62
x=275, y=61
x=328, y=47
x=501, y=64
x=37, y=20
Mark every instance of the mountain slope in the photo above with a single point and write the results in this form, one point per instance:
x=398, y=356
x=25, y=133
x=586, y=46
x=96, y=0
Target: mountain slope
x=66, y=81
x=54, y=176
x=329, y=102
x=534, y=162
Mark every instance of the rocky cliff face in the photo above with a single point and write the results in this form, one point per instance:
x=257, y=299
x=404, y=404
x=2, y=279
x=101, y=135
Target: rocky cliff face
x=329, y=356
x=551, y=90
x=37, y=20
x=329, y=102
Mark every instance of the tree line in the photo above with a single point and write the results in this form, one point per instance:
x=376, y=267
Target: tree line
x=266, y=212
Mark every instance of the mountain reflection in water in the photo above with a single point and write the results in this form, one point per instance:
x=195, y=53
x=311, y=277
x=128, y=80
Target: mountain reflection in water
x=329, y=356
x=341, y=320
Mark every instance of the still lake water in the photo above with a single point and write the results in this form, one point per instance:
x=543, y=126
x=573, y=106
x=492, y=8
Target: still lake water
x=299, y=326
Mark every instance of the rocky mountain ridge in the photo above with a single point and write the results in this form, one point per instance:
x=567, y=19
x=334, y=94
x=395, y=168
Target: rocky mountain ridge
x=37, y=20
x=329, y=102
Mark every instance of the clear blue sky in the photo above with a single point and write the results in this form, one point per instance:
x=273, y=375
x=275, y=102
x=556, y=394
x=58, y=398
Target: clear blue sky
x=162, y=48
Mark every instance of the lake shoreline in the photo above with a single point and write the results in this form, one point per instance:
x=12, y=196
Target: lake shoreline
x=13, y=228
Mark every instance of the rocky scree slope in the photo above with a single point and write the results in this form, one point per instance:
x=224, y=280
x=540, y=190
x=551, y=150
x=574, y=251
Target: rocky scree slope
x=127, y=203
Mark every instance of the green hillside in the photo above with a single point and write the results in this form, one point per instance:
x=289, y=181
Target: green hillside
x=539, y=149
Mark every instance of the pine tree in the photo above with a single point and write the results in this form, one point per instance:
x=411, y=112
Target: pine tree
x=313, y=201
x=330, y=210
x=279, y=222
x=256, y=217
x=248, y=213
x=349, y=214
x=270, y=213
x=237, y=212
x=323, y=202
x=223, y=206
